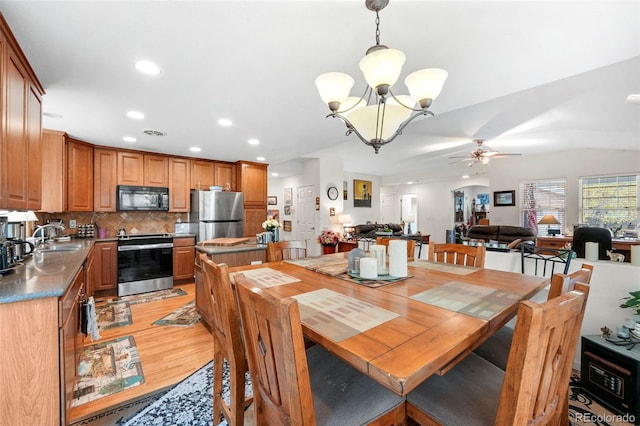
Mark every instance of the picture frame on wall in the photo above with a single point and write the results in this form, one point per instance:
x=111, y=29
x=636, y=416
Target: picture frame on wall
x=275, y=214
x=345, y=190
x=504, y=198
x=287, y=210
x=286, y=225
x=288, y=196
x=362, y=190
x=272, y=200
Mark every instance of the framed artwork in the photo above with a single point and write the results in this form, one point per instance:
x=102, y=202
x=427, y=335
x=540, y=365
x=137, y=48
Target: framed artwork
x=286, y=226
x=274, y=214
x=288, y=196
x=345, y=190
x=504, y=198
x=332, y=211
x=272, y=200
x=287, y=210
x=483, y=199
x=362, y=190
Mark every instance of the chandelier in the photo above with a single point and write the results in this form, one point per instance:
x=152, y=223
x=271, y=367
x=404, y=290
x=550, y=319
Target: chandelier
x=379, y=115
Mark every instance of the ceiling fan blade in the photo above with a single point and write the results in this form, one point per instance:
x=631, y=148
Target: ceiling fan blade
x=501, y=154
x=461, y=160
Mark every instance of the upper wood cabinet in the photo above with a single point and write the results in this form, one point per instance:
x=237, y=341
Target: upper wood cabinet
x=202, y=172
x=156, y=170
x=130, y=168
x=34, y=143
x=251, y=179
x=80, y=176
x=225, y=173
x=54, y=171
x=179, y=178
x=105, y=179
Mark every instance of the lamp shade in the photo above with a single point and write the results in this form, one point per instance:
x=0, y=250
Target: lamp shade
x=548, y=219
x=409, y=219
x=21, y=216
x=426, y=83
x=382, y=67
x=344, y=219
x=366, y=120
x=334, y=86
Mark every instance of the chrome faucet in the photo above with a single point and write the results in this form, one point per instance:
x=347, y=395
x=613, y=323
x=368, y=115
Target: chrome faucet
x=43, y=228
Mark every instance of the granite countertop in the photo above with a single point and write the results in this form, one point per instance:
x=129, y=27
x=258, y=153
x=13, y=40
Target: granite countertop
x=248, y=246
x=44, y=274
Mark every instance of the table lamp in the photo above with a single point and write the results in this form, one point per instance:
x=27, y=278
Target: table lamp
x=409, y=220
x=549, y=219
x=345, y=220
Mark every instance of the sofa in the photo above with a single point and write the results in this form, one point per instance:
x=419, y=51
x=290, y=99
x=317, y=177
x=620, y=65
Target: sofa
x=503, y=234
x=369, y=230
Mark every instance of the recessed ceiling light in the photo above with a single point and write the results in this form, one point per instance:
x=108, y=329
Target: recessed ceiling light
x=260, y=158
x=410, y=183
x=135, y=115
x=633, y=99
x=275, y=174
x=147, y=67
x=253, y=142
x=465, y=176
x=128, y=139
x=194, y=149
x=225, y=122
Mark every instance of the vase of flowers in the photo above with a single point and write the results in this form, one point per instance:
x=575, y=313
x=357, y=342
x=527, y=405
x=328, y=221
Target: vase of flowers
x=329, y=239
x=272, y=226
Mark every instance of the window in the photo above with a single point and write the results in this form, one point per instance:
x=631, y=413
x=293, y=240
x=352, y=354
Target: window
x=539, y=198
x=610, y=201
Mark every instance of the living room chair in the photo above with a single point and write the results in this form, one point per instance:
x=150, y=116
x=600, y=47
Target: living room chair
x=227, y=343
x=411, y=246
x=285, y=250
x=534, y=385
x=292, y=386
x=458, y=254
x=585, y=234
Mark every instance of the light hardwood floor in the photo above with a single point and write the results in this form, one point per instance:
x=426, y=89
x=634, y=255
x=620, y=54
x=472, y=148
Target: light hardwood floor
x=168, y=354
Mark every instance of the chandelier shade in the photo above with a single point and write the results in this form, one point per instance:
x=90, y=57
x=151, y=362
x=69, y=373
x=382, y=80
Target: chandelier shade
x=379, y=115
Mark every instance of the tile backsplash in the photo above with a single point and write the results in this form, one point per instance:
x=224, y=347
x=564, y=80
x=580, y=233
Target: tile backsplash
x=132, y=222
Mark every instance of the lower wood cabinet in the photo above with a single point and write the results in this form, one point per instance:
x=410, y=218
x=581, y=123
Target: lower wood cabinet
x=106, y=266
x=184, y=253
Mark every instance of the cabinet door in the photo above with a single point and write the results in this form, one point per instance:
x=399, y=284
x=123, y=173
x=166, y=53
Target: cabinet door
x=105, y=169
x=34, y=140
x=130, y=168
x=203, y=296
x=253, y=218
x=54, y=171
x=80, y=178
x=202, y=174
x=90, y=272
x=183, y=258
x=156, y=170
x=179, y=179
x=252, y=182
x=225, y=174
x=70, y=336
x=106, y=266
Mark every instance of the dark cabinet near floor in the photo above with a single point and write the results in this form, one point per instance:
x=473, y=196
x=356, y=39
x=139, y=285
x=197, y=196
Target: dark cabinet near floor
x=184, y=253
x=106, y=266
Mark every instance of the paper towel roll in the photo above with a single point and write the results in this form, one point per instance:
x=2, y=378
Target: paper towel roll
x=398, y=258
x=380, y=253
x=591, y=251
x=635, y=255
x=368, y=267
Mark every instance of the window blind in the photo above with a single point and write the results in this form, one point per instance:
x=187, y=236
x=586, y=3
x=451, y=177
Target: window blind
x=609, y=201
x=542, y=197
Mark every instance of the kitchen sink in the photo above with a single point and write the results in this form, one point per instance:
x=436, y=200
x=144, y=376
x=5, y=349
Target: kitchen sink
x=59, y=247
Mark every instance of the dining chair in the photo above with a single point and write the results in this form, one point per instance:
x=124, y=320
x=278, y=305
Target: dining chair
x=458, y=254
x=530, y=391
x=227, y=344
x=585, y=234
x=411, y=246
x=292, y=386
x=284, y=250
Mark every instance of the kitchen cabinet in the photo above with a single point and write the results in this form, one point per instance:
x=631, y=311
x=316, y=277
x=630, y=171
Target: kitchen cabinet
x=203, y=298
x=156, y=170
x=105, y=179
x=251, y=180
x=80, y=176
x=130, y=168
x=184, y=253
x=106, y=266
x=90, y=272
x=34, y=144
x=54, y=171
x=225, y=173
x=179, y=184
x=202, y=172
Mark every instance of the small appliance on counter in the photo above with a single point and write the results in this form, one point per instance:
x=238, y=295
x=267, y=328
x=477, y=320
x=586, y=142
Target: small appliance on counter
x=87, y=231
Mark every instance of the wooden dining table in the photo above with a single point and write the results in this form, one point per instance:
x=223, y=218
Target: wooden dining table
x=398, y=331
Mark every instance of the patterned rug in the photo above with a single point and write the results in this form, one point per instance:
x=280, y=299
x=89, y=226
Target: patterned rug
x=113, y=314
x=185, y=316
x=152, y=296
x=106, y=368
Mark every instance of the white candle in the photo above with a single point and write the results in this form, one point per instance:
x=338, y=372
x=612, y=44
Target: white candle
x=368, y=267
x=398, y=258
x=591, y=251
x=635, y=255
x=380, y=253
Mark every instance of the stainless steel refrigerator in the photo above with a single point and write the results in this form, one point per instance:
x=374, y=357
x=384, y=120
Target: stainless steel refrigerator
x=218, y=214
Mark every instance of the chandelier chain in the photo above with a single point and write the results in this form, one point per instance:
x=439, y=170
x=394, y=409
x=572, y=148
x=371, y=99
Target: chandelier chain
x=377, y=29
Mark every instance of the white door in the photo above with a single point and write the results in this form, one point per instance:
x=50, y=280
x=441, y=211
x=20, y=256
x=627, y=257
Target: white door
x=306, y=218
x=386, y=210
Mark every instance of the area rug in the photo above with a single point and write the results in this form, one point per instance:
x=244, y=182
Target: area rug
x=189, y=402
x=184, y=316
x=153, y=296
x=106, y=368
x=113, y=314
x=584, y=410
x=118, y=416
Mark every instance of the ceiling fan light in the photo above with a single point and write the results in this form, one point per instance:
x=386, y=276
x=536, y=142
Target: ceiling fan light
x=426, y=83
x=382, y=67
x=334, y=86
x=366, y=121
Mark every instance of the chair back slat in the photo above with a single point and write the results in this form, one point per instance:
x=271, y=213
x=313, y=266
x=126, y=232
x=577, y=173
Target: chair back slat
x=285, y=250
x=561, y=283
x=458, y=254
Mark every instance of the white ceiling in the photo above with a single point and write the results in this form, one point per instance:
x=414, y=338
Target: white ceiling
x=527, y=76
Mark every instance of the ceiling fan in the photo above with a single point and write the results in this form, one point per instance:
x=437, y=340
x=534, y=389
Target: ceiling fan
x=481, y=155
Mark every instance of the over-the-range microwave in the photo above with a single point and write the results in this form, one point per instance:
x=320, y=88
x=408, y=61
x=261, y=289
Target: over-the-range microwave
x=142, y=198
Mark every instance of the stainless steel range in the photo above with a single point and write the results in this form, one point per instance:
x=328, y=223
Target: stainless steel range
x=145, y=263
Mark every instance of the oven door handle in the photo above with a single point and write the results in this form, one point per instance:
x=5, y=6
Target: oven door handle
x=145, y=246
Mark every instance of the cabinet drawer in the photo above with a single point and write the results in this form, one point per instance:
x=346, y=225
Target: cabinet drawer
x=184, y=241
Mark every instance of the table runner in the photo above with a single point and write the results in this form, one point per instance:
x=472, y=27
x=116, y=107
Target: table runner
x=265, y=277
x=443, y=267
x=338, y=316
x=327, y=265
x=478, y=301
